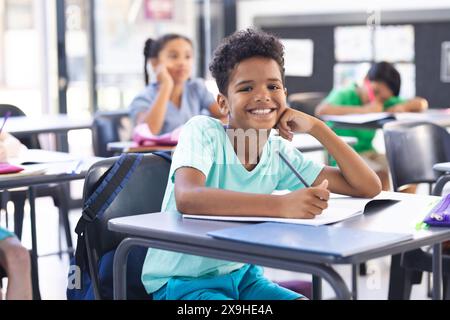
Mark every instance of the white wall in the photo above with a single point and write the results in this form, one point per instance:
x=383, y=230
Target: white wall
x=249, y=9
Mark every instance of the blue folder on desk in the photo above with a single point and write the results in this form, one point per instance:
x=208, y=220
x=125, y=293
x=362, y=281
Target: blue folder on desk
x=327, y=240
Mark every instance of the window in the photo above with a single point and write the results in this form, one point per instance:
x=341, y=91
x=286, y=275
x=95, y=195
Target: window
x=122, y=26
x=20, y=56
x=357, y=47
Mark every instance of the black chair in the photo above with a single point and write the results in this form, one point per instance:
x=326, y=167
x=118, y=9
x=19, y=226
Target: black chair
x=143, y=193
x=412, y=148
x=2, y=275
x=306, y=101
x=57, y=191
x=107, y=127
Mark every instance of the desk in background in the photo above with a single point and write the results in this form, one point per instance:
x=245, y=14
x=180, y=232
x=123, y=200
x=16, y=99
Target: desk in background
x=56, y=172
x=58, y=124
x=303, y=142
x=436, y=116
x=173, y=233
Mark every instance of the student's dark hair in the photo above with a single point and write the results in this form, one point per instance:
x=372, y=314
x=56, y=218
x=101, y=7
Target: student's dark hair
x=240, y=46
x=386, y=73
x=152, y=48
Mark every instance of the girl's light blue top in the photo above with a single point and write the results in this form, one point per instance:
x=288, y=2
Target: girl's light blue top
x=195, y=100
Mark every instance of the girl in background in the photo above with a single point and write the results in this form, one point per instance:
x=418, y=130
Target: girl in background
x=171, y=96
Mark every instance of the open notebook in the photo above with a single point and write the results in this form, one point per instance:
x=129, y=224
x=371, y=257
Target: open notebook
x=323, y=240
x=339, y=208
x=360, y=118
x=367, y=118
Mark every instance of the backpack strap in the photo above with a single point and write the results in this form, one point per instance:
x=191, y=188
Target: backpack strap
x=112, y=182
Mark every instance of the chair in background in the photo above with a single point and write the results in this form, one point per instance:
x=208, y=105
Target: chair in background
x=151, y=177
x=56, y=191
x=412, y=148
x=109, y=127
x=306, y=101
x=2, y=275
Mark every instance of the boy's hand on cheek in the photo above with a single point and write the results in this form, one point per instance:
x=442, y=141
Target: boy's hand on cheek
x=292, y=121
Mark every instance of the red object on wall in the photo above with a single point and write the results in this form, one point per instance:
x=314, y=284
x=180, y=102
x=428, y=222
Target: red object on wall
x=159, y=9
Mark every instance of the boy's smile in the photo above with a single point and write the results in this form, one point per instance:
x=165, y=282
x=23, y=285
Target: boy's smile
x=256, y=96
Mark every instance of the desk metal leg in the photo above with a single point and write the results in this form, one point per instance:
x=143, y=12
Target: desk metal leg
x=34, y=254
x=120, y=266
x=437, y=271
x=319, y=270
x=355, y=273
x=62, y=143
x=316, y=288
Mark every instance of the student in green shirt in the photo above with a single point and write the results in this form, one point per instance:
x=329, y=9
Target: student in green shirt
x=379, y=93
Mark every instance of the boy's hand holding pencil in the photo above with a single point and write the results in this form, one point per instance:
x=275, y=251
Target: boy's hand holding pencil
x=305, y=203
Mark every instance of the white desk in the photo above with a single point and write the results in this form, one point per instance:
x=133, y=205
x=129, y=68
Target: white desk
x=440, y=117
x=60, y=123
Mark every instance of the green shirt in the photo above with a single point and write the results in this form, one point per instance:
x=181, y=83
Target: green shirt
x=205, y=146
x=349, y=97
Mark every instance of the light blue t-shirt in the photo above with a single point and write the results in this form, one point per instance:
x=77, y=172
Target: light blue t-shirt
x=205, y=146
x=195, y=100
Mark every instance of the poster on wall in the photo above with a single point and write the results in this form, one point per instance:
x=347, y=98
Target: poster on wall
x=159, y=9
x=298, y=57
x=445, y=62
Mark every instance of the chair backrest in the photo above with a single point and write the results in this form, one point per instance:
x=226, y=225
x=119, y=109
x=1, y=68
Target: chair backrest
x=412, y=148
x=143, y=193
x=109, y=127
x=306, y=101
x=30, y=140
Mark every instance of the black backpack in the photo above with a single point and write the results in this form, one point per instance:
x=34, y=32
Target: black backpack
x=80, y=286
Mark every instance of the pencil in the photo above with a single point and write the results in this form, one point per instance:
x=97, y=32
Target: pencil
x=7, y=114
x=293, y=169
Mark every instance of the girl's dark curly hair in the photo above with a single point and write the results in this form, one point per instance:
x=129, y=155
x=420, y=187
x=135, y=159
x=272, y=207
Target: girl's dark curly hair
x=243, y=45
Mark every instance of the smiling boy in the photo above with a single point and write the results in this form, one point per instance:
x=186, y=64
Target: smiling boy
x=235, y=170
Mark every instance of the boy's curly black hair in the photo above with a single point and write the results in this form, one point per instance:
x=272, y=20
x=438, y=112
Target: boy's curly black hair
x=242, y=45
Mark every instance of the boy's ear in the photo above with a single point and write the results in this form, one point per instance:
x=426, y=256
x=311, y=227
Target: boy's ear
x=285, y=92
x=223, y=104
